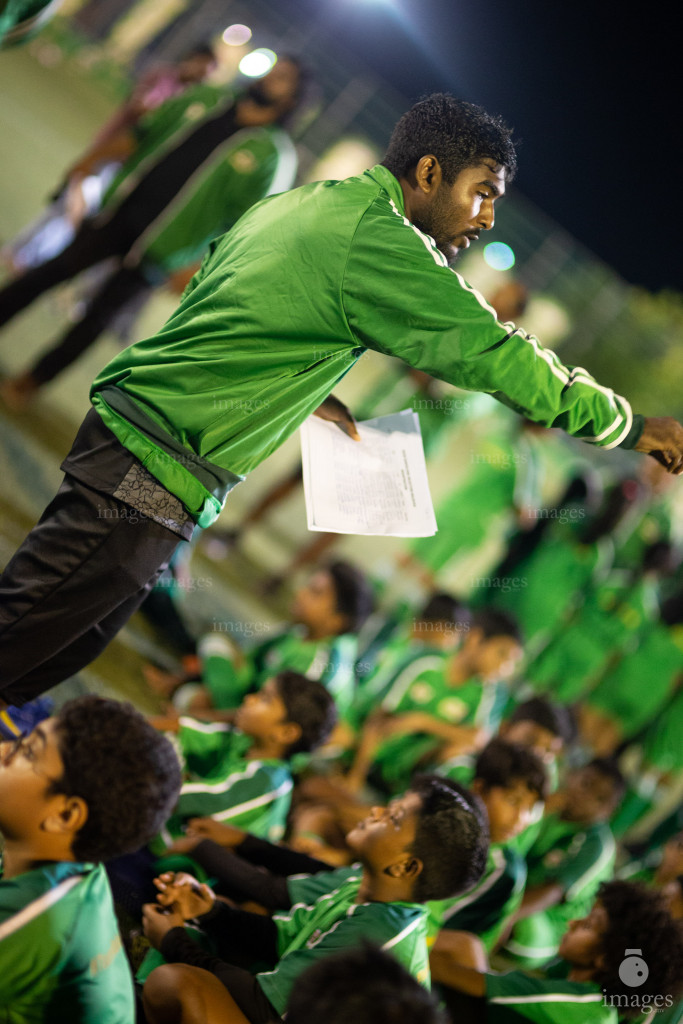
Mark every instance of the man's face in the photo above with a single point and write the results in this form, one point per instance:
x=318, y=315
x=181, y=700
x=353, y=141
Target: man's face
x=581, y=944
x=509, y=809
x=458, y=213
x=27, y=769
x=387, y=832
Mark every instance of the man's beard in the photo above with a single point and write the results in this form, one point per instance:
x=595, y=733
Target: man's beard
x=430, y=226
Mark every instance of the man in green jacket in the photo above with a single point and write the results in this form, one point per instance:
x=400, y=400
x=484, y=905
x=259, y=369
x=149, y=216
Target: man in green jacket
x=281, y=309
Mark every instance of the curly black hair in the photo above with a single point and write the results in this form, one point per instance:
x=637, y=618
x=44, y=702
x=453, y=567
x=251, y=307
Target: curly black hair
x=556, y=718
x=457, y=133
x=638, y=920
x=364, y=985
x=451, y=839
x=501, y=764
x=127, y=773
x=310, y=706
x=493, y=622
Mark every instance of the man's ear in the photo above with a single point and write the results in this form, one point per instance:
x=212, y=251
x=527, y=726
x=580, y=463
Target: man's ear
x=428, y=174
x=68, y=816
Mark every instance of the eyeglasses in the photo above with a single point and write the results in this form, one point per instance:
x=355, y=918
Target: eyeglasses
x=21, y=747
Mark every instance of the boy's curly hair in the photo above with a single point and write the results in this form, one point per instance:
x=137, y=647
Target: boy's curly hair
x=127, y=773
x=638, y=919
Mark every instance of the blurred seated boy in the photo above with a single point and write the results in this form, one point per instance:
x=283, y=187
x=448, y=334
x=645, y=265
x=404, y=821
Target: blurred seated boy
x=510, y=781
x=237, y=773
x=92, y=782
x=364, y=985
x=320, y=642
x=594, y=982
x=429, y=844
x=422, y=643
x=453, y=709
x=545, y=728
x=573, y=852
x=240, y=773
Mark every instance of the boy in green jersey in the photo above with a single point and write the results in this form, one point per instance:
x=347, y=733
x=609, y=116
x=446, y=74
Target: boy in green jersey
x=239, y=773
x=92, y=782
x=622, y=959
x=452, y=708
x=432, y=633
x=510, y=781
x=544, y=728
x=573, y=852
x=366, y=986
x=428, y=844
x=320, y=643
x=280, y=311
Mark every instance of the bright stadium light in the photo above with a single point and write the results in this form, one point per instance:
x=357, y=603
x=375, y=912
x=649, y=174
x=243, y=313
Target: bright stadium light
x=257, y=63
x=237, y=35
x=499, y=256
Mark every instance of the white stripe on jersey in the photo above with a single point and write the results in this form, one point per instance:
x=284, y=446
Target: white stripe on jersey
x=258, y=801
x=194, y=724
x=498, y=857
x=38, y=907
x=406, y=931
x=548, y=997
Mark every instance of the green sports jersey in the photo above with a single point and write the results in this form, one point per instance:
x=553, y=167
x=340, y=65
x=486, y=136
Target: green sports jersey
x=612, y=617
x=60, y=949
x=662, y=747
x=517, y=996
x=576, y=857
x=472, y=703
x=634, y=690
x=500, y=477
x=225, y=784
x=229, y=377
x=333, y=922
x=331, y=661
x=548, y=584
x=485, y=908
x=398, y=663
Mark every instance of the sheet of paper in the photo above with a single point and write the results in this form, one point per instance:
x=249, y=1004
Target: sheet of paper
x=376, y=486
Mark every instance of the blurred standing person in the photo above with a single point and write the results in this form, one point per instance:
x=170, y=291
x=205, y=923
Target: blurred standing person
x=80, y=192
x=191, y=175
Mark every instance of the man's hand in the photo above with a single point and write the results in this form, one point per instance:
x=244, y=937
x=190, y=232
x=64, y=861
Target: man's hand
x=156, y=922
x=206, y=828
x=183, y=894
x=336, y=412
x=662, y=438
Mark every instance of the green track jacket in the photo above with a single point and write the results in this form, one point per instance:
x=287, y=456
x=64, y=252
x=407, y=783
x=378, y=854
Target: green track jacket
x=282, y=308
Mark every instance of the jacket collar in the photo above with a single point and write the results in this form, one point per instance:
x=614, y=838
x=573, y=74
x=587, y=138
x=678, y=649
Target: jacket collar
x=389, y=183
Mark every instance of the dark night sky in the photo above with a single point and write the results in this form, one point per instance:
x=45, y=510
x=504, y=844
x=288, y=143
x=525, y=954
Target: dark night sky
x=594, y=96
